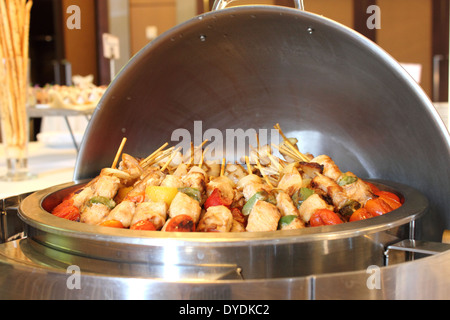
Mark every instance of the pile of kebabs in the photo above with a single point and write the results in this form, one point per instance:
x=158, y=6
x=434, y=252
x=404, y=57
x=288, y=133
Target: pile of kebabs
x=168, y=191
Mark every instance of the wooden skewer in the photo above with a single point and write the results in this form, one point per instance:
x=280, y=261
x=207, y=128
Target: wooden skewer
x=191, y=160
x=275, y=162
x=202, y=158
x=119, y=152
x=262, y=173
x=193, y=151
x=203, y=143
x=159, y=157
x=239, y=165
x=290, y=145
x=222, y=168
x=170, y=160
x=249, y=167
x=153, y=154
x=286, y=151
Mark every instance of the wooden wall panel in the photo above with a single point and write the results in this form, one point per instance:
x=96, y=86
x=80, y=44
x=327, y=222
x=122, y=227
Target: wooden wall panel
x=143, y=13
x=340, y=11
x=406, y=29
x=81, y=44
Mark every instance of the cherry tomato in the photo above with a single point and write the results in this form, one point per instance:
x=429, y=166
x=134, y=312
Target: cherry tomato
x=143, y=225
x=324, y=217
x=112, y=224
x=388, y=195
x=360, y=214
x=377, y=207
x=181, y=223
x=216, y=199
x=373, y=187
x=67, y=210
x=390, y=198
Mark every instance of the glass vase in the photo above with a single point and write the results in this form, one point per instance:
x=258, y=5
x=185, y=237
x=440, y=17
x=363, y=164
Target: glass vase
x=14, y=121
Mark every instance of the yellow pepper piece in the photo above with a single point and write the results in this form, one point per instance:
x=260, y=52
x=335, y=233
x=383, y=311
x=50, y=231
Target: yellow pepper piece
x=159, y=193
x=122, y=194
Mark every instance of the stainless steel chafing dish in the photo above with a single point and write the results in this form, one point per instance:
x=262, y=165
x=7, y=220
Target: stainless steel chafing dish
x=243, y=67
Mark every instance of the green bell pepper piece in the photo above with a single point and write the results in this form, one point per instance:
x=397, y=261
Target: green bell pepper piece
x=192, y=192
x=346, y=179
x=110, y=203
x=286, y=220
x=302, y=195
x=260, y=195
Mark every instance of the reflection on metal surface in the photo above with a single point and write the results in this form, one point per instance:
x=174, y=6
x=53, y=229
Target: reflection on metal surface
x=266, y=266
x=260, y=255
x=408, y=250
x=379, y=123
x=426, y=278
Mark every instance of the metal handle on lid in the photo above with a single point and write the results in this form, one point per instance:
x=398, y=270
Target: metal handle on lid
x=221, y=4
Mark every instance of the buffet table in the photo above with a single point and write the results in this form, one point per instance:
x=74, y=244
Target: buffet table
x=52, y=166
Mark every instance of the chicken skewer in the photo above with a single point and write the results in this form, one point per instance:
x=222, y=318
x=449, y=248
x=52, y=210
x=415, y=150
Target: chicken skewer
x=158, y=193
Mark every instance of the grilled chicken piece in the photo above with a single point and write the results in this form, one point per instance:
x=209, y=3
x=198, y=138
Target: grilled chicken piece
x=130, y=165
x=181, y=170
x=310, y=169
x=296, y=223
x=195, y=178
x=248, y=179
x=291, y=182
x=152, y=176
x=183, y=204
x=358, y=190
x=217, y=218
x=330, y=169
x=123, y=212
x=94, y=214
x=172, y=181
x=310, y=205
x=236, y=226
x=252, y=188
x=251, y=184
x=285, y=205
x=155, y=212
x=82, y=196
x=107, y=186
x=330, y=188
x=235, y=172
x=224, y=184
x=238, y=199
x=263, y=217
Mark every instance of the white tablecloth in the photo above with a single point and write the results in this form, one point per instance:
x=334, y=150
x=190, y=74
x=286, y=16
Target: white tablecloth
x=52, y=166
